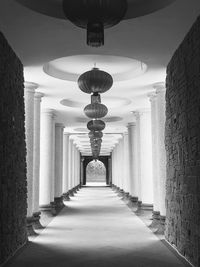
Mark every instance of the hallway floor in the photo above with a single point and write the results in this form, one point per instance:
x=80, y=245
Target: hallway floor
x=96, y=229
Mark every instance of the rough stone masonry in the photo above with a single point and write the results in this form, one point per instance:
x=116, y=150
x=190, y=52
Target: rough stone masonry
x=183, y=147
x=12, y=153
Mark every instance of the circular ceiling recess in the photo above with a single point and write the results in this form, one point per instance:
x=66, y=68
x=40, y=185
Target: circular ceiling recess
x=70, y=68
x=110, y=101
x=136, y=8
x=82, y=130
x=113, y=119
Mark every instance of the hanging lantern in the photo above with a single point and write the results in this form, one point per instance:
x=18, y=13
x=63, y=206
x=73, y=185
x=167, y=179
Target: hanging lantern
x=95, y=141
x=95, y=16
x=95, y=135
x=96, y=125
x=95, y=98
x=95, y=111
x=95, y=81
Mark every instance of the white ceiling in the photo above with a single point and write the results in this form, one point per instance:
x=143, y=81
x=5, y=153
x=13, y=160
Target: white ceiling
x=60, y=48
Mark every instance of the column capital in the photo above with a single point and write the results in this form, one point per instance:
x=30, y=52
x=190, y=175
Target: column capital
x=136, y=114
x=30, y=86
x=152, y=96
x=66, y=133
x=159, y=87
x=131, y=124
x=38, y=95
x=50, y=112
x=59, y=125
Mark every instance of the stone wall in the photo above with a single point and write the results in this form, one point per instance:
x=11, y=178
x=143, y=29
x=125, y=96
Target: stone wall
x=183, y=147
x=12, y=154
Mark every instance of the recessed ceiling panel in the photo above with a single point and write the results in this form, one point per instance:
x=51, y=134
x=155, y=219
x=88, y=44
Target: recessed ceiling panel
x=70, y=68
x=109, y=101
x=136, y=8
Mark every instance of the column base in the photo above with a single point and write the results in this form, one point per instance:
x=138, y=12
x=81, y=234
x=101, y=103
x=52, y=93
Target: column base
x=126, y=197
x=155, y=220
x=78, y=187
x=37, y=224
x=117, y=189
x=133, y=203
x=143, y=208
x=71, y=193
x=121, y=193
x=48, y=210
x=30, y=226
x=147, y=207
x=138, y=209
x=65, y=196
x=114, y=187
x=58, y=203
x=161, y=226
x=53, y=208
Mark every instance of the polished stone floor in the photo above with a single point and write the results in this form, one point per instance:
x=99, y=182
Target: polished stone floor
x=96, y=229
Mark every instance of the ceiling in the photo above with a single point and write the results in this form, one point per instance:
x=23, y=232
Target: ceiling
x=136, y=53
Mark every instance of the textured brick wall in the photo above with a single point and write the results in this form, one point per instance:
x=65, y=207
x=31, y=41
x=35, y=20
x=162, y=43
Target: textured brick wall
x=183, y=147
x=12, y=153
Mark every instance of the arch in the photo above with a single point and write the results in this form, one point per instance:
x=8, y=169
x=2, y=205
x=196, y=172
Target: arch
x=103, y=159
x=95, y=172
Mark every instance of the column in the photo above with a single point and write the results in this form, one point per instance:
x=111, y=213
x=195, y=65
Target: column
x=79, y=168
x=53, y=165
x=36, y=159
x=132, y=147
x=29, y=92
x=126, y=178
x=136, y=116
x=46, y=157
x=160, y=91
x=146, y=159
x=113, y=168
x=120, y=167
x=82, y=160
x=155, y=159
x=65, y=177
x=73, y=164
x=70, y=165
x=59, y=127
x=109, y=170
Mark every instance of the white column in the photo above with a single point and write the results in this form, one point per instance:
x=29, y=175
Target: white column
x=81, y=171
x=155, y=156
x=70, y=163
x=119, y=167
x=53, y=160
x=46, y=156
x=113, y=165
x=146, y=157
x=110, y=170
x=126, y=178
x=29, y=91
x=132, y=139
x=65, y=179
x=160, y=91
x=36, y=151
x=73, y=164
x=79, y=167
x=136, y=115
x=58, y=159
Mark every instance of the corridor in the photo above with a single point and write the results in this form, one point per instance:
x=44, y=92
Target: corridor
x=96, y=228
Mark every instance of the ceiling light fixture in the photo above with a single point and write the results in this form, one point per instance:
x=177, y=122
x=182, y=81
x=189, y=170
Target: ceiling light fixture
x=95, y=16
x=95, y=81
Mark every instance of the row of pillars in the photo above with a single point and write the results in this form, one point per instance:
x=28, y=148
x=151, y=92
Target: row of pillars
x=53, y=160
x=141, y=175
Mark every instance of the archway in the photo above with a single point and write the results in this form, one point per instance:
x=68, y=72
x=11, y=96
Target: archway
x=95, y=173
